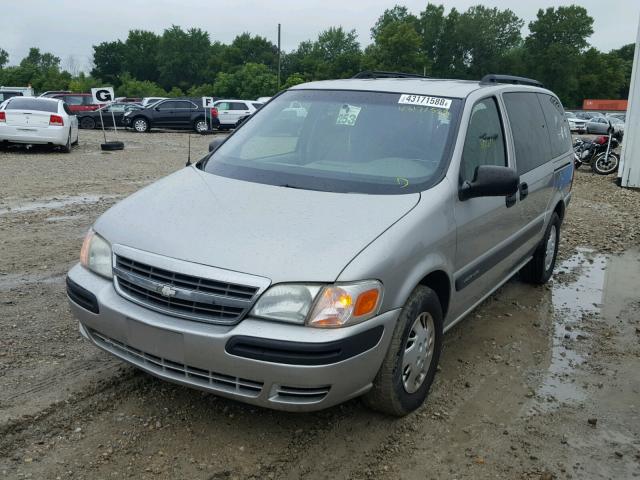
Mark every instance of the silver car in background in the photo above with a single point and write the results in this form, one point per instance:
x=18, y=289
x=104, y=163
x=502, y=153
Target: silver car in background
x=38, y=121
x=600, y=125
x=314, y=258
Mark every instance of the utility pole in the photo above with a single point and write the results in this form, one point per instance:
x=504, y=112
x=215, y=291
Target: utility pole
x=279, y=55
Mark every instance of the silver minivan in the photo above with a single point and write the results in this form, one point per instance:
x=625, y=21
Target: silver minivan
x=312, y=258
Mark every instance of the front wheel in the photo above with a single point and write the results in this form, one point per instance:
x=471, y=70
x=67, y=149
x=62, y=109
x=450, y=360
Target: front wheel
x=408, y=369
x=140, y=125
x=605, y=164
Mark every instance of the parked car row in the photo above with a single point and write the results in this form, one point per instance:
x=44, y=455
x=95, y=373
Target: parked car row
x=595, y=122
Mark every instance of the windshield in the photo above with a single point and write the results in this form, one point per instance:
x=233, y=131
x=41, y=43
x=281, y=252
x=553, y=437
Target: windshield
x=343, y=141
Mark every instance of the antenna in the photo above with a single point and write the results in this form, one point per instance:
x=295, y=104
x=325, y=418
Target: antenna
x=189, y=153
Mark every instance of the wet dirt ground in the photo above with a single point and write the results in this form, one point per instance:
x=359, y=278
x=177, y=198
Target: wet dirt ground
x=537, y=383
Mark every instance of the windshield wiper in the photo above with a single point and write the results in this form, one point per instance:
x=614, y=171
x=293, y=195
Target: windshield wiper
x=287, y=185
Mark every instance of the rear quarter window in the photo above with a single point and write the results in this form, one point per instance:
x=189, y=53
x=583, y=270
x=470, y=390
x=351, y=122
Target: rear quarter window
x=26, y=103
x=528, y=126
x=557, y=125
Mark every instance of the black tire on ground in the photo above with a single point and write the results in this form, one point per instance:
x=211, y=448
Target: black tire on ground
x=599, y=166
x=539, y=269
x=389, y=393
x=87, y=123
x=140, y=124
x=108, y=146
x=67, y=147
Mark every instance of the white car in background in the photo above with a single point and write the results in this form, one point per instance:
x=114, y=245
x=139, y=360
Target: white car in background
x=38, y=121
x=232, y=113
x=148, y=101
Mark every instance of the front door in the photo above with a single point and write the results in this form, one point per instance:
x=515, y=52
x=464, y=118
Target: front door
x=485, y=226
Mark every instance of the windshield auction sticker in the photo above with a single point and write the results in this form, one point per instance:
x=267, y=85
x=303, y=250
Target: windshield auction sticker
x=348, y=115
x=436, y=102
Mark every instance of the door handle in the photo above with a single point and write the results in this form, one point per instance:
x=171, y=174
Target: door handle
x=524, y=190
x=510, y=200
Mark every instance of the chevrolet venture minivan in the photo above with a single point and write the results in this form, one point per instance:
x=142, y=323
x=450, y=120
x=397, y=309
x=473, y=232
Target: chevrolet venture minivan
x=312, y=258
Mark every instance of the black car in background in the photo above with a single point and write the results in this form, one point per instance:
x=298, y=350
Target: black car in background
x=106, y=115
x=179, y=113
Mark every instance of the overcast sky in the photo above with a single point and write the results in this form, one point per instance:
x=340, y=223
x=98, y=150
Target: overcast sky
x=68, y=28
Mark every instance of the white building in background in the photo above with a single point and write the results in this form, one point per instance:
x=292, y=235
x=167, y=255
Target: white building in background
x=629, y=171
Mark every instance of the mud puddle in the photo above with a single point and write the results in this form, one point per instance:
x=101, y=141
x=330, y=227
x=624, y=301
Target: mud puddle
x=55, y=203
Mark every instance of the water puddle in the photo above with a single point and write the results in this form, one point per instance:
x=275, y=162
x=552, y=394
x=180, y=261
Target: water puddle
x=576, y=293
x=55, y=203
x=587, y=285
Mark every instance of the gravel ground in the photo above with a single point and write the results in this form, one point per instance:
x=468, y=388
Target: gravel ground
x=538, y=383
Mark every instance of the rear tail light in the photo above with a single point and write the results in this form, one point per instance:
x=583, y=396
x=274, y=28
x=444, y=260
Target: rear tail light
x=56, y=120
x=3, y=117
x=214, y=112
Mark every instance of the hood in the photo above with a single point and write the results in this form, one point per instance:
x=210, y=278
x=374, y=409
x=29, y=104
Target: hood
x=280, y=233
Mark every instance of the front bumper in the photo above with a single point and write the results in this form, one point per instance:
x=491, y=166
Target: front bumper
x=197, y=354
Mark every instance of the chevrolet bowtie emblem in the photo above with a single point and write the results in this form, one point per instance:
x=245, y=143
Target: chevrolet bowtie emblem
x=167, y=291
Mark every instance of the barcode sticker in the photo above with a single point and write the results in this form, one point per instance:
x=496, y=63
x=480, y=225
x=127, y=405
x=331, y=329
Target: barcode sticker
x=436, y=102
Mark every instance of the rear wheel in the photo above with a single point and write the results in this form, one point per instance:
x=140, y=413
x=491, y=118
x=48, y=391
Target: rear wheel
x=140, y=125
x=408, y=370
x=88, y=123
x=605, y=164
x=540, y=268
x=66, y=148
x=200, y=125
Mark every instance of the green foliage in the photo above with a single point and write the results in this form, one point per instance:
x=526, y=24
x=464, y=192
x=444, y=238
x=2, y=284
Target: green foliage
x=293, y=80
x=82, y=83
x=248, y=49
x=249, y=81
x=204, y=90
x=108, y=60
x=140, y=55
x=4, y=57
x=130, y=87
x=335, y=54
x=175, y=92
x=182, y=57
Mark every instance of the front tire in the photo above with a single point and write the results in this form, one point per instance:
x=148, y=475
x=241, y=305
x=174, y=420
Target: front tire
x=605, y=165
x=407, y=372
x=539, y=269
x=140, y=125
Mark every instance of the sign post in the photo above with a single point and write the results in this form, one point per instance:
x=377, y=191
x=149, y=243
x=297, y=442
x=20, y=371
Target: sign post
x=105, y=96
x=207, y=104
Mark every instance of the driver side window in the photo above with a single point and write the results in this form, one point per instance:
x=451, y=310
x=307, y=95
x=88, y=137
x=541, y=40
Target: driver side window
x=484, y=142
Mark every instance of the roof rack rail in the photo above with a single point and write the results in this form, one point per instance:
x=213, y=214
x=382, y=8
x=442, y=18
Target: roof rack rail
x=493, y=78
x=382, y=74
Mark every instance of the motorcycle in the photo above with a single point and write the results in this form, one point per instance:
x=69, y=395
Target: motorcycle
x=598, y=153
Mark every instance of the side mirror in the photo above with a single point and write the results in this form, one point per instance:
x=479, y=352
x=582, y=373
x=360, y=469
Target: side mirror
x=490, y=181
x=213, y=146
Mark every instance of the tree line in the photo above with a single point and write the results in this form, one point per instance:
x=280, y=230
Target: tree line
x=434, y=42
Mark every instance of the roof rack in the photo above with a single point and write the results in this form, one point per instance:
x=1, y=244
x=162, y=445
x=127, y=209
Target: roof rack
x=512, y=79
x=381, y=74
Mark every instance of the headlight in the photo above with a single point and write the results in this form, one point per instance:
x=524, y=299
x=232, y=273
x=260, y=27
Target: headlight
x=331, y=306
x=95, y=254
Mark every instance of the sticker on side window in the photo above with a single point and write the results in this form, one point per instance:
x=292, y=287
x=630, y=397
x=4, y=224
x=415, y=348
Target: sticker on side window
x=436, y=102
x=348, y=115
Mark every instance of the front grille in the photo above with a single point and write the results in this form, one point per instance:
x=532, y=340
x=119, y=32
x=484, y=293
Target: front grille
x=167, y=368
x=181, y=295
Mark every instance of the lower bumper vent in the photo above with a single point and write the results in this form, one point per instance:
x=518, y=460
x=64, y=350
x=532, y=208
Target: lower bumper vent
x=299, y=395
x=186, y=373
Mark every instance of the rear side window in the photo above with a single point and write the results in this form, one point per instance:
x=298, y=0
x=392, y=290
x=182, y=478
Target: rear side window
x=26, y=103
x=530, y=138
x=484, y=143
x=557, y=125
x=73, y=99
x=238, y=106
